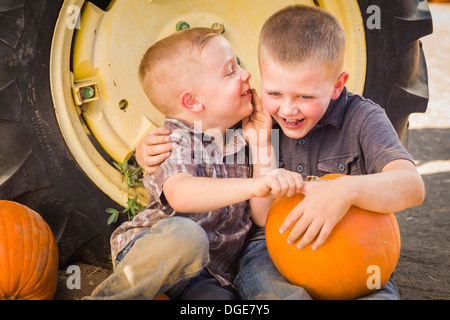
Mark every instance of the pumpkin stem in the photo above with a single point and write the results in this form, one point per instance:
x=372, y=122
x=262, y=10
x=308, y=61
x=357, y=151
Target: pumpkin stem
x=314, y=178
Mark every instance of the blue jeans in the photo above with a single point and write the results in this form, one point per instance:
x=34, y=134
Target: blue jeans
x=168, y=258
x=171, y=258
x=259, y=279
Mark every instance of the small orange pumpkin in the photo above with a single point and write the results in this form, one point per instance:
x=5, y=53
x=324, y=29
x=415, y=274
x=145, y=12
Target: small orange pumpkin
x=363, y=245
x=28, y=254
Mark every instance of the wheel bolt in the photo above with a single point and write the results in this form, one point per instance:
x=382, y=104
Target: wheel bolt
x=88, y=92
x=182, y=25
x=219, y=27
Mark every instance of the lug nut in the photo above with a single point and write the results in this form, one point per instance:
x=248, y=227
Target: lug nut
x=219, y=27
x=182, y=25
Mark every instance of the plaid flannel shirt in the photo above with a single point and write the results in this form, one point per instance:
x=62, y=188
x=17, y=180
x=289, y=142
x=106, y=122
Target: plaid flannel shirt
x=197, y=153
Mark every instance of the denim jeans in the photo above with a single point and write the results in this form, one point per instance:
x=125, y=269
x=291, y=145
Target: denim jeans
x=171, y=258
x=259, y=279
x=160, y=260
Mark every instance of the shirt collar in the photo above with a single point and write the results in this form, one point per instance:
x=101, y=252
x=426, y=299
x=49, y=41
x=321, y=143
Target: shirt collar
x=235, y=137
x=174, y=124
x=335, y=112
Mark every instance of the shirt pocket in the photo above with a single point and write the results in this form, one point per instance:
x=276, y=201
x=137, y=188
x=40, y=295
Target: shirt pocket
x=344, y=164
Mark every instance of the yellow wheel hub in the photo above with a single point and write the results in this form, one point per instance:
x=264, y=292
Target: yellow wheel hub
x=97, y=95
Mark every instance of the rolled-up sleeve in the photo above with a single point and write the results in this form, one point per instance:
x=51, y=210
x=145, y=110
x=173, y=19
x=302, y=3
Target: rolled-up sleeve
x=180, y=160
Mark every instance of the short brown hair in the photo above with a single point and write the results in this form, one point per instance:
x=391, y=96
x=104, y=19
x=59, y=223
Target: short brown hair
x=299, y=34
x=169, y=66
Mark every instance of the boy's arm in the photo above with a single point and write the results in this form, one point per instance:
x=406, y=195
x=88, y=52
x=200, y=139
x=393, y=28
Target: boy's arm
x=257, y=129
x=259, y=207
x=397, y=187
x=188, y=194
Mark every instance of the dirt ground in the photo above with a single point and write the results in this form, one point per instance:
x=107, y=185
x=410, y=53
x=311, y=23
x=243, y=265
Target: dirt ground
x=423, y=269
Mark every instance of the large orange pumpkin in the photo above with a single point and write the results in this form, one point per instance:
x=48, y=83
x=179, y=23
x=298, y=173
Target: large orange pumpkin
x=28, y=254
x=364, y=245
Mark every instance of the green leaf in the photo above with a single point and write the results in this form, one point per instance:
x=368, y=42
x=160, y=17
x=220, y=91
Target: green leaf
x=131, y=179
x=118, y=166
x=135, y=171
x=113, y=218
x=111, y=210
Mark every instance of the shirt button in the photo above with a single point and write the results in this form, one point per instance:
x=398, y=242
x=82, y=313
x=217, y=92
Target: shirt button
x=300, y=168
x=341, y=167
x=302, y=142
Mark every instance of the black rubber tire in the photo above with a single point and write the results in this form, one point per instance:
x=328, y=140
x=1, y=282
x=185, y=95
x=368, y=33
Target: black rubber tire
x=36, y=167
x=38, y=170
x=396, y=74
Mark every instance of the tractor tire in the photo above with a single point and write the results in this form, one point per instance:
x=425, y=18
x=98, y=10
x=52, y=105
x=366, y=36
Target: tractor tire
x=396, y=75
x=38, y=169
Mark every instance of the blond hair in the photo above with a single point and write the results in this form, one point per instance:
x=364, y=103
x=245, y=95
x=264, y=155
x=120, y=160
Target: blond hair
x=301, y=34
x=171, y=65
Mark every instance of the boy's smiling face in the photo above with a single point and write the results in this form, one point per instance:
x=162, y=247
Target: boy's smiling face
x=297, y=98
x=225, y=89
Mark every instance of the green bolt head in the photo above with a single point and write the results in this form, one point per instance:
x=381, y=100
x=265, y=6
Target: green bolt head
x=88, y=92
x=182, y=25
x=218, y=26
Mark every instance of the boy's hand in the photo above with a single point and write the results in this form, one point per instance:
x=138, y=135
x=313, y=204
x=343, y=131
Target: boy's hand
x=277, y=183
x=324, y=205
x=258, y=124
x=153, y=149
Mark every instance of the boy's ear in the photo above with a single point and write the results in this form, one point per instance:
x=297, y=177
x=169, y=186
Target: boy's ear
x=339, y=84
x=190, y=102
